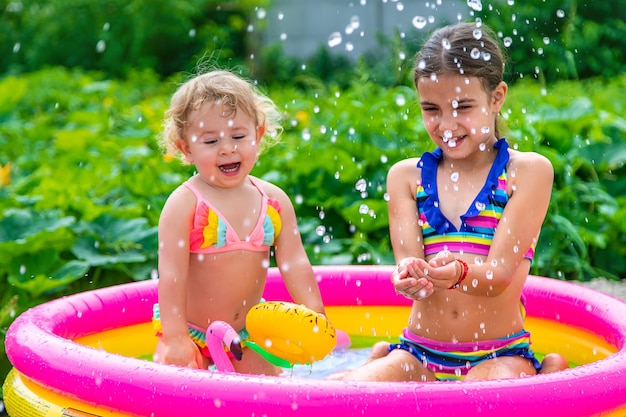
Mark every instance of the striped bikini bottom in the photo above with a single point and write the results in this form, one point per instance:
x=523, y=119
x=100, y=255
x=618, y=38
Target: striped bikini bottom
x=452, y=361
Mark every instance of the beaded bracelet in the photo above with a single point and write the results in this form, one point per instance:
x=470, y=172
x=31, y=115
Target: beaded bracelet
x=465, y=270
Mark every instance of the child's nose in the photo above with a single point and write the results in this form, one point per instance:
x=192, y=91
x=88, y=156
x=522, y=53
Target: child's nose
x=448, y=121
x=228, y=146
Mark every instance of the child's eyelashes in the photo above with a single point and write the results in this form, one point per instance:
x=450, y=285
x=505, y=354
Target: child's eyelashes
x=211, y=141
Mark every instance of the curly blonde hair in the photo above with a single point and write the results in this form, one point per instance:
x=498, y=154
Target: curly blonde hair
x=218, y=86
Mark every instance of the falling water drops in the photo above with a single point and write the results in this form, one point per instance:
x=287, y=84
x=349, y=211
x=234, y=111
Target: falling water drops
x=361, y=185
x=475, y=5
x=101, y=46
x=419, y=22
x=334, y=39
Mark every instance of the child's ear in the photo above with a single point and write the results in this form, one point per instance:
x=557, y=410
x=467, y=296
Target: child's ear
x=499, y=95
x=260, y=131
x=183, y=147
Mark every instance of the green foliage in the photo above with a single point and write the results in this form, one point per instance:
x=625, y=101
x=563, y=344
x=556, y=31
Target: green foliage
x=562, y=40
x=116, y=36
x=581, y=129
x=82, y=181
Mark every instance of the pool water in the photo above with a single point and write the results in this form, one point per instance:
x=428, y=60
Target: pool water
x=339, y=360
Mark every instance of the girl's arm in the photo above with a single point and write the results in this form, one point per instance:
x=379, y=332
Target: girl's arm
x=291, y=258
x=405, y=231
x=174, y=229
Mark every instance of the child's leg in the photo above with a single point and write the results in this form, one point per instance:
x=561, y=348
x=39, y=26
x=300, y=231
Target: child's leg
x=252, y=363
x=501, y=367
x=395, y=366
x=553, y=362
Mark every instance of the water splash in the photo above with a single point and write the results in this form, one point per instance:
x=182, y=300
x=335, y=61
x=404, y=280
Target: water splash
x=419, y=22
x=334, y=39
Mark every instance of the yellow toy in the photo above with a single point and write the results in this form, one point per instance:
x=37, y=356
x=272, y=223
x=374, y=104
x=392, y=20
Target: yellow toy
x=286, y=333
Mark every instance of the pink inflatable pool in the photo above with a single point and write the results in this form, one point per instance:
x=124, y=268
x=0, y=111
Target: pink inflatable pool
x=42, y=344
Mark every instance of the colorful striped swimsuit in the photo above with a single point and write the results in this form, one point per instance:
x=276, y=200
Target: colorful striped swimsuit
x=478, y=224
x=452, y=361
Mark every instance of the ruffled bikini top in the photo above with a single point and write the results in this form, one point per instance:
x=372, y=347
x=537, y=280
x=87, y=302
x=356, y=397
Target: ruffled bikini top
x=211, y=232
x=478, y=224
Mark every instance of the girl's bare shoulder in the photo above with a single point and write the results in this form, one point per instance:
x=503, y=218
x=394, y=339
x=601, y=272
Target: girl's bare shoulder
x=405, y=167
x=529, y=162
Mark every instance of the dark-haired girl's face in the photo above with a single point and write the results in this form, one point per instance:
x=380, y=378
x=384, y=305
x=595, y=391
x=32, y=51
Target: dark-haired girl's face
x=459, y=115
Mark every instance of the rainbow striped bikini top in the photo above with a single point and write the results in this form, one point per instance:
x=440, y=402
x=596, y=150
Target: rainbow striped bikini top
x=211, y=232
x=478, y=224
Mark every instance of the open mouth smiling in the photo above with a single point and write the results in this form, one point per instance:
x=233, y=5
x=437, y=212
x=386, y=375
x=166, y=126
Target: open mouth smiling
x=230, y=168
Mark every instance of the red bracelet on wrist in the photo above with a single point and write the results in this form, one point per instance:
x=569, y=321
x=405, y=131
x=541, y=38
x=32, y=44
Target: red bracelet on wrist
x=464, y=271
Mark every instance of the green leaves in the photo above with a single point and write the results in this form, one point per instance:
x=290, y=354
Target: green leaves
x=24, y=232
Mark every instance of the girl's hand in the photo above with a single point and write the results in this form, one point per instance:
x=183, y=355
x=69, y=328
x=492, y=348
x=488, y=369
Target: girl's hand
x=443, y=270
x=410, y=279
x=183, y=352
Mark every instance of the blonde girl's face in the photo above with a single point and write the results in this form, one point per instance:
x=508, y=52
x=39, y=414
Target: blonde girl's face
x=459, y=115
x=222, y=145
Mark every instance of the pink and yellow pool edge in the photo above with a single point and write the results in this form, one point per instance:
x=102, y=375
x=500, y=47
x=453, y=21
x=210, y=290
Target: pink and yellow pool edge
x=80, y=353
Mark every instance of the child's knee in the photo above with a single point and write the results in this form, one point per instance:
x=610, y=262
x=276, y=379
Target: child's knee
x=553, y=362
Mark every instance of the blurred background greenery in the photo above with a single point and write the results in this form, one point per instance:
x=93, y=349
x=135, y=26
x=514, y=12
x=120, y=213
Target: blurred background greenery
x=82, y=181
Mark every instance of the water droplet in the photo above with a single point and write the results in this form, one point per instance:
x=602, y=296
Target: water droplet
x=101, y=46
x=320, y=230
x=482, y=146
x=154, y=274
x=364, y=209
x=419, y=22
x=475, y=5
x=334, y=39
x=261, y=13
x=361, y=185
x=507, y=41
x=477, y=33
x=475, y=53
x=446, y=43
x=489, y=274
x=400, y=100
x=455, y=176
x=485, y=129
x=560, y=13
